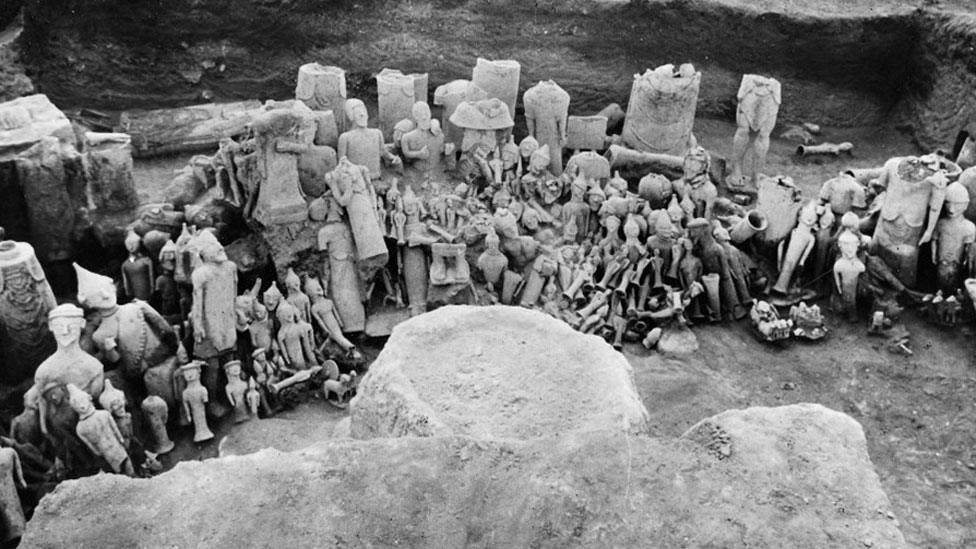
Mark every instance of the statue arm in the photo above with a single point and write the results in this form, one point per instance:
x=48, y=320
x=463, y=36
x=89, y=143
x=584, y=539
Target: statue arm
x=291, y=147
x=806, y=250
x=42, y=412
x=935, y=248
x=186, y=407
x=406, y=145
x=18, y=471
x=230, y=395
x=391, y=159
x=116, y=431
x=160, y=326
x=196, y=311
x=342, y=147
x=282, y=348
x=837, y=280
x=125, y=282
x=307, y=344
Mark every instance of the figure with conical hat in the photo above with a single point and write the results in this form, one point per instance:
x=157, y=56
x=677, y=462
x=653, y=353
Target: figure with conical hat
x=134, y=336
x=695, y=188
x=98, y=431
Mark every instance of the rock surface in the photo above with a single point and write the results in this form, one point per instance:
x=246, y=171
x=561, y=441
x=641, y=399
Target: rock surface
x=494, y=372
x=796, y=476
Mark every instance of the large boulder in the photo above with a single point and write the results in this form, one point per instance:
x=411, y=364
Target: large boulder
x=495, y=372
x=797, y=476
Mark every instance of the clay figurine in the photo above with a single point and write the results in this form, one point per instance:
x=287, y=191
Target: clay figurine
x=156, y=412
x=952, y=239
x=915, y=190
x=352, y=189
x=546, y=109
x=344, y=278
x=847, y=271
x=11, y=510
x=69, y=364
x=424, y=146
x=844, y=194
x=98, y=431
x=214, y=291
x=695, y=188
x=25, y=301
x=236, y=389
x=296, y=298
x=717, y=279
x=361, y=145
x=326, y=316
x=278, y=141
x=113, y=400
x=759, y=100
x=166, y=297
x=800, y=245
x=137, y=270
x=295, y=339
x=195, y=399
x=253, y=397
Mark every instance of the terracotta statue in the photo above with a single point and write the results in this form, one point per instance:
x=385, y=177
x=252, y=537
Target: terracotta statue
x=260, y=327
x=719, y=288
x=843, y=193
x=271, y=298
x=98, y=431
x=759, y=99
x=279, y=145
x=915, y=190
x=847, y=271
x=137, y=270
x=691, y=271
x=113, y=400
x=295, y=339
x=800, y=245
x=499, y=79
x=322, y=88
x=425, y=144
x=363, y=146
x=195, y=399
x=134, y=335
x=396, y=94
x=952, y=239
x=661, y=110
x=737, y=265
x=576, y=212
x=344, y=278
x=235, y=390
x=166, y=297
x=415, y=270
x=492, y=262
x=253, y=397
x=326, y=316
x=156, y=412
x=296, y=297
x=11, y=510
x=695, y=186
x=352, y=189
x=546, y=109
x=265, y=375
x=214, y=290
x=25, y=301
x=69, y=364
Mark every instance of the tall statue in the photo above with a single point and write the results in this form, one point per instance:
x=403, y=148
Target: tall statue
x=213, y=316
x=322, y=88
x=952, y=239
x=661, y=110
x=363, y=146
x=546, y=109
x=425, y=146
x=759, y=99
x=278, y=145
x=137, y=270
x=134, y=336
x=25, y=301
x=353, y=191
x=344, y=280
x=915, y=190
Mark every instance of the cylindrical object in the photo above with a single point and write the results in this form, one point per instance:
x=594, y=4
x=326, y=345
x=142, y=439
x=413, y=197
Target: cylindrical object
x=156, y=412
x=622, y=158
x=499, y=79
x=712, y=281
x=395, y=97
x=661, y=110
x=323, y=88
x=25, y=300
x=753, y=223
x=416, y=276
x=825, y=148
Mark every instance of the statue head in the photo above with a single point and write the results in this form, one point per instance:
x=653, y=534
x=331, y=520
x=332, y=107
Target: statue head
x=210, y=249
x=850, y=221
x=411, y=204
x=112, y=399
x=66, y=322
x=94, y=290
x=491, y=240
x=848, y=242
x=258, y=311
x=132, y=242
x=501, y=199
x=612, y=224
x=356, y=113
x=167, y=256
x=686, y=243
x=402, y=128
x=663, y=227
x=286, y=313
x=292, y=282
x=956, y=199
x=505, y=223
x=631, y=228
x=191, y=371
x=259, y=355
x=721, y=234
x=80, y=401
x=233, y=369
x=699, y=229
x=530, y=219
x=695, y=163
x=313, y=288
x=421, y=114
x=528, y=146
x=577, y=189
x=540, y=159
x=552, y=190
x=510, y=153
x=595, y=197
x=618, y=183
x=272, y=297
x=808, y=215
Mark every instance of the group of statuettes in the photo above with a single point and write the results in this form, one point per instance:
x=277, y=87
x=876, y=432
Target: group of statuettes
x=429, y=212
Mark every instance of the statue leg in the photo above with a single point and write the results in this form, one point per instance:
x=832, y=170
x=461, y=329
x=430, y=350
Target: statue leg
x=739, y=145
x=760, y=149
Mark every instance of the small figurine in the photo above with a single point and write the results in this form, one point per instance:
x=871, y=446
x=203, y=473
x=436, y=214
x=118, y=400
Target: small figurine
x=847, y=271
x=296, y=297
x=326, y=317
x=953, y=237
x=236, y=389
x=801, y=244
x=546, y=109
x=294, y=339
x=11, y=510
x=260, y=327
x=195, y=399
x=265, y=375
x=214, y=290
x=156, y=412
x=98, y=431
x=166, y=294
x=425, y=145
x=695, y=188
x=137, y=270
x=113, y=400
x=253, y=397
